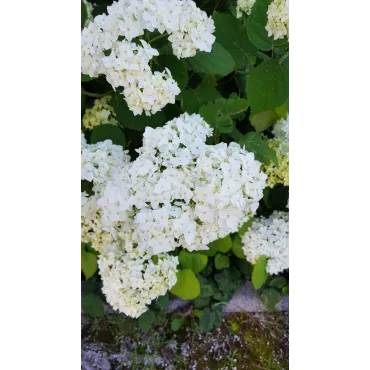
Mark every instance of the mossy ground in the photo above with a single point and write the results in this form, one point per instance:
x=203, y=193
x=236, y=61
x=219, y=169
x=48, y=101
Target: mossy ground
x=245, y=341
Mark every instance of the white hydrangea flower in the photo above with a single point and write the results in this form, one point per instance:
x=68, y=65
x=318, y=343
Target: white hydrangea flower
x=131, y=280
x=244, y=6
x=100, y=114
x=269, y=237
x=180, y=191
x=127, y=65
x=278, y=19
x=281, y=133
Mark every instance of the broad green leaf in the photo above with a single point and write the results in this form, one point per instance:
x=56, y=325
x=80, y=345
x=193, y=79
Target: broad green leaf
x=285, y=289
x=277, y=282
x=217, y=312
x=244, y=267
x=146, y=320
x=257, y=144
x=270, y=298
x=206, y=321
x=138, y=123
x=198, y=313
x=218, y=61
x=202, y=302
x=259, y=274
x=89, y=263
x=193, y=99
x=218, y=114
x=85, y=78
x=268, y=86
x=237, y=247
x=282, y=111
x=83, y=14
x=177, y=324
x=264, y=120
x=245, y=227
x=222, y=261
x=267, y=197
x=224, y=244
x=212, y=249
x=177, y=67
x=206, y=290
x=187, y=286
x=193, y=261
x=83, y=101
x=228, y=281
x=93, y=305
x=161, y=302
x=108, y=132
x=256, y=28
x=232, y=36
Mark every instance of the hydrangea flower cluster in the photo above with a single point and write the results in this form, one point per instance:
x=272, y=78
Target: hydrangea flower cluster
x=281, y=133
x=107, y=47
x=244, y=6
x=100, y=114
x=278, y=19
x=269, y=237
x=277, y=174
x=132, y=280
x=179, y=192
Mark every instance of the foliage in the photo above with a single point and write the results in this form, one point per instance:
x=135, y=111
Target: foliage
x=241, y=89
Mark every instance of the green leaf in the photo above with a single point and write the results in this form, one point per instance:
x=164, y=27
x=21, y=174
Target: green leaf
x=193, y=261
x=206, y=321
x=229, y=281
x=224, y=244
x=218, y=114
x=218, y=61
x=264, y=120
x=270, y=298
x=256, y=28
x=245, y=227
x=267, y=197
x=232, y=36
x=187, y=286
x=259, y=274
x=198, y=313
x=138, y=123
x=193, y=99
x=222, y=261
x=89, y=263
x=146, y=320
x=93, y=305
x=257, y=144
x=83, y=14
x=161, y=302
x=177, y=324
x=85, y=78
x=268, y=86
x=108, y=132
x=285, y=289
x=237, y=247
x=244, y=267
x=202, y=302
x=277, y=282
x=212, y=249
x=177, y=67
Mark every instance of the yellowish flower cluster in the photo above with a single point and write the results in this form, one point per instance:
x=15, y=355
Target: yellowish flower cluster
x=100, y=114
x=280, y=174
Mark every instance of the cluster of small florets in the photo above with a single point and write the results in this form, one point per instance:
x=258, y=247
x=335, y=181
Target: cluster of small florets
x=277, y=174
x=269, y=237
x=100, y=114
x=132, y=280
x=179, y=192
x=281, y=133
x=244, y=6
x=278, y=19
x=107, y=47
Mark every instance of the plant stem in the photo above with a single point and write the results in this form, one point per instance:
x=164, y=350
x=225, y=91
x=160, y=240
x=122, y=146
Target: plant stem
x=281, y=60
x=159, y=37
x=94, y=95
